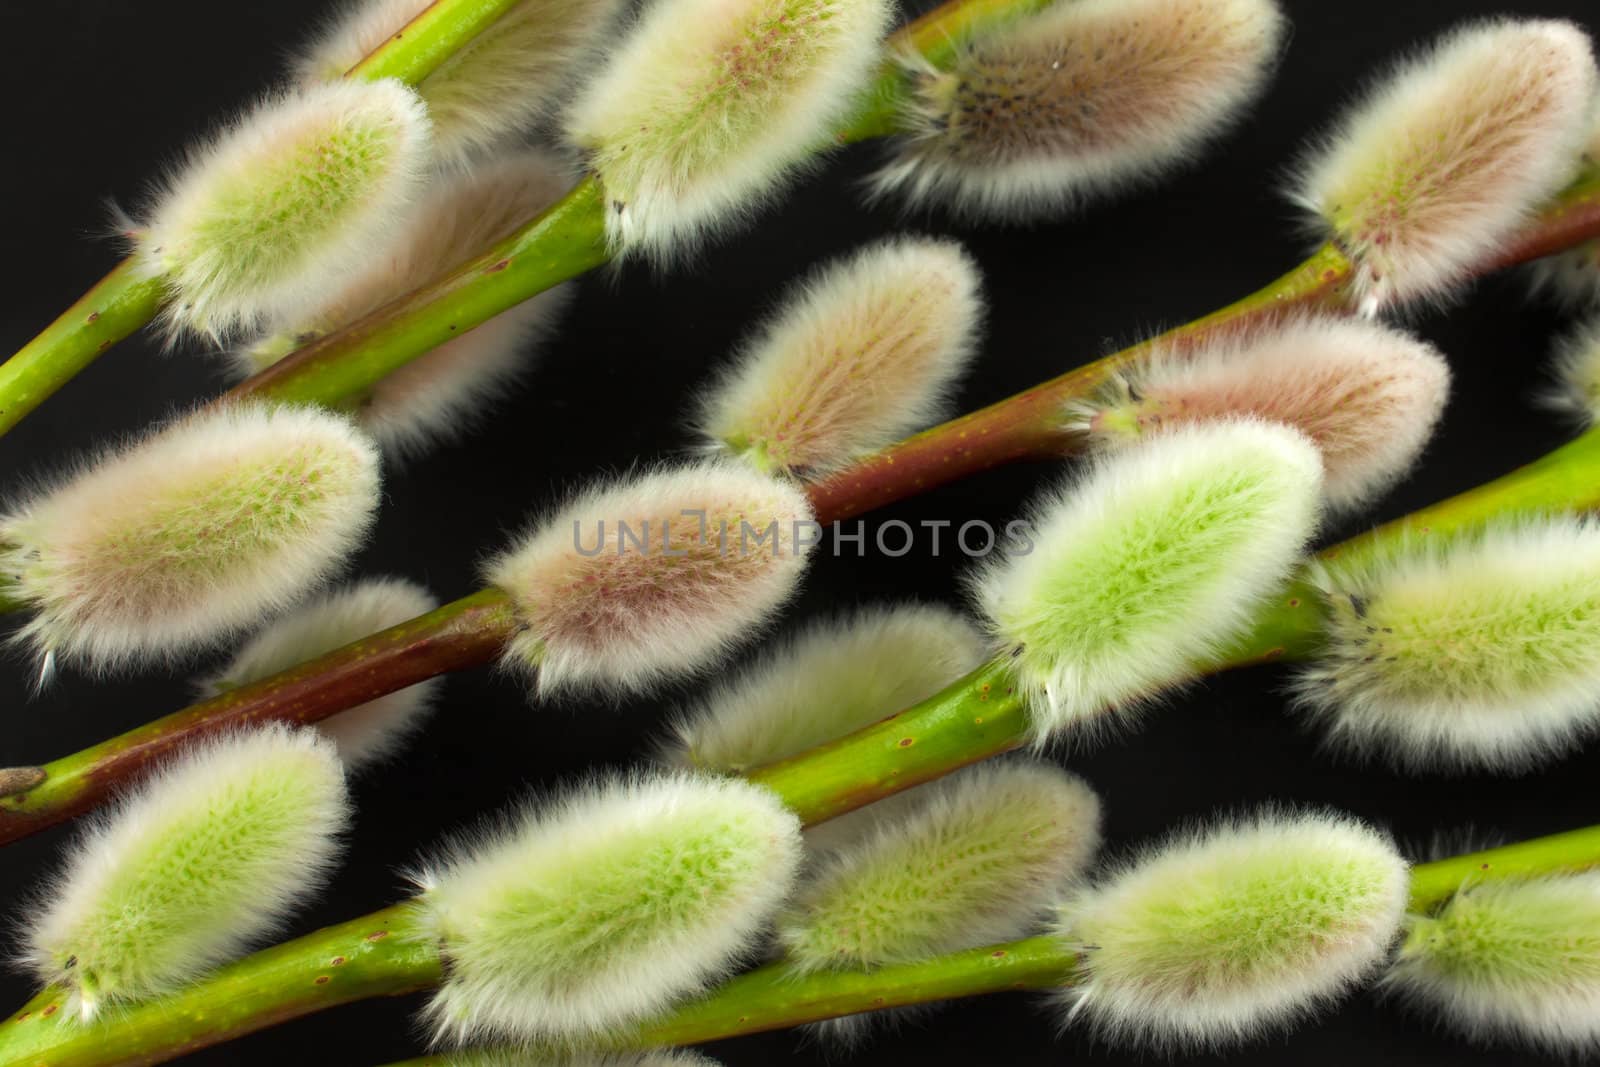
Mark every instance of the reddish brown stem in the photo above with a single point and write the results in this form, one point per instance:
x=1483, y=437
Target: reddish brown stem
x=465, y=633
x=1573, y=219
x=1033, y=424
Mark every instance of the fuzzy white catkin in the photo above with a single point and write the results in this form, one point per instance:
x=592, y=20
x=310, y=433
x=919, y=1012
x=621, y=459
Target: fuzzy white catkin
x=833, y=677
x=1228, y=931
x=1510, y=960
x=242, y=238
x=439, y=394
x=1576, y=390
x=708, y=107
x=974, y=859
x=211, y=852
x=1147, y=564
x=190, y=535
x=1367, y=395
x=605, y=907
x=1450, y=153
x=499, y=84
x=516, y=1058
x=652, y=577
x=1082, y=98
x=862, y=353
x=1482, y=652
x=368, y=732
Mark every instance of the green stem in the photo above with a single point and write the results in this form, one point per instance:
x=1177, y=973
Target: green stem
x=1434, y=883
x=464, y=633
x=128, y=298
x=564, y=242
x=386, y=953
x=983, y=714
x=779, y=996
x=119, y=304
x=977, y=717
x=437, y=32
x=376, y=955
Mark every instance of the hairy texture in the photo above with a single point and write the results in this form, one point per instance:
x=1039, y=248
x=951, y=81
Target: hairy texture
x=978, y=858
x=1369, y=397
x=654, y=577
x=208, y=855
x=190, y=535
x=1573, y=276
x=1484, y=653
x=1576, y=390
x=832, y=678
x=1083, y=98
x=502, y=83
x=605, y=907
x=285, y=204
x=708, y=106
x=1222, y=933
x=1148, y=564
x=508, y=1057
x=1450, y=153
x=438, y=395
x=1510, y=959
x=864, y=352
x=367, y=732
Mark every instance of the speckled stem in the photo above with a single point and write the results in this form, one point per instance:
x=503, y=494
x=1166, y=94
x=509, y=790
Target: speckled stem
x=119, y=304
x=565, y=241
x=1434, y=883
x=385, y=954
x=464, y=633
x=373, y=956
x=984, y=714
x=128, y=298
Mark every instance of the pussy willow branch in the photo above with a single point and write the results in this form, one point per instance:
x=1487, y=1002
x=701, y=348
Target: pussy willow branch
x=464, y=633
x=985, y=714
x=564, y=242
x=1031, y=426
x=386, y=953
x=129, y=298
x=975, y=718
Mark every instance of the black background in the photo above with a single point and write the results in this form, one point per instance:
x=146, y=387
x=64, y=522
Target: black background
x=101, y=93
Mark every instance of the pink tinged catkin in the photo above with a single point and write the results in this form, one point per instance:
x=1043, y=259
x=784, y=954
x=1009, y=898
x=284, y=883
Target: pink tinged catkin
x=1081, y=99
x=1366, y=395
x=862, y=353
x=1450, y=153
x=285, y=203
x=190, y=535
x=436, y=396
x=653, y=577
x=502, y=83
